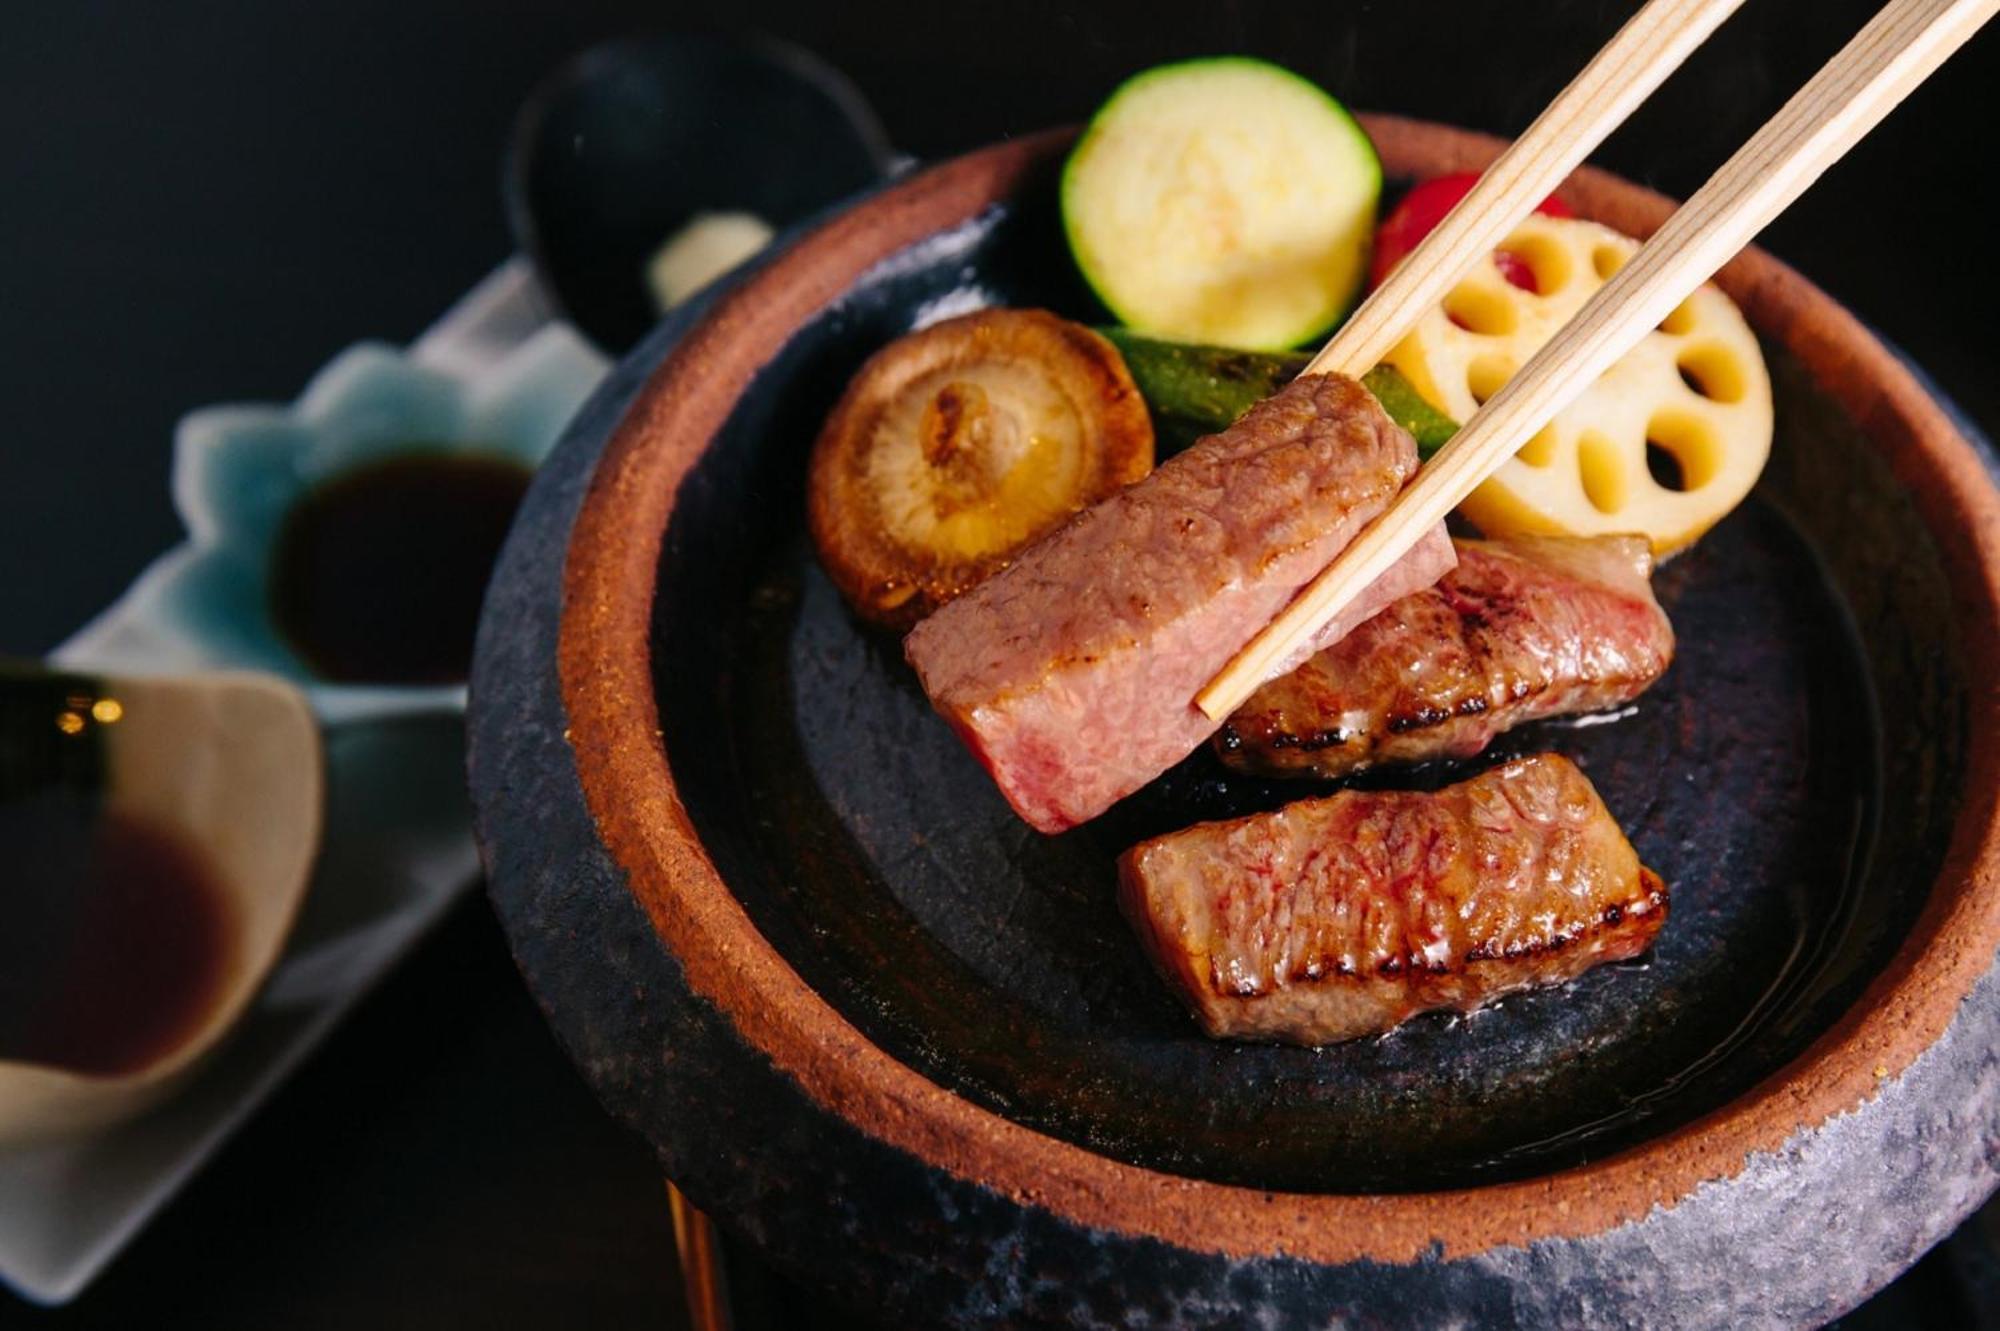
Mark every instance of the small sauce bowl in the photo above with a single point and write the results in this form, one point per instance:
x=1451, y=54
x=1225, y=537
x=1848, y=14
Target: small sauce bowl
x=166, y=830
x=243, y=474
x=629, y=141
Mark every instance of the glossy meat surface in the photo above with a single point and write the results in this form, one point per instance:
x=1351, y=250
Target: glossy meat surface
x=1521, y=630
x=1345, y=916
x=1071, y=674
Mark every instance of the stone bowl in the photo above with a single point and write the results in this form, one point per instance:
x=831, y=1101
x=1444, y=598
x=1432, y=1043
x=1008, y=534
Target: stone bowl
x=906, y=1047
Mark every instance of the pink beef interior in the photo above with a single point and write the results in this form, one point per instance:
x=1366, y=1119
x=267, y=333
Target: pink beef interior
x=1072, y=673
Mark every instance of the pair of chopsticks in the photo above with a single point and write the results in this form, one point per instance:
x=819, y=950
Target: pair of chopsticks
x=1895, y=52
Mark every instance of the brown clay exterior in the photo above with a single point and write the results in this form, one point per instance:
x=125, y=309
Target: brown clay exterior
x=608, y=690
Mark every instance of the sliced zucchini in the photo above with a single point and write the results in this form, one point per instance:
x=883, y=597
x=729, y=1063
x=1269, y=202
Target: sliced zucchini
x=1196, y=390
x=1226, y=201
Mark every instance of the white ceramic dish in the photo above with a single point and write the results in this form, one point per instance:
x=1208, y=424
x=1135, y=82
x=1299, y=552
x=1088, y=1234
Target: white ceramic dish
x=397, y=852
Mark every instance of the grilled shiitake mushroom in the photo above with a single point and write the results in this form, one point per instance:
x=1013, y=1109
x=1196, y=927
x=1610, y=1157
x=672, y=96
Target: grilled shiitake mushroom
x=958, y=445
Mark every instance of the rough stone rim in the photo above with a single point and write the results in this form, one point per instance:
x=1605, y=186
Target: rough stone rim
x=607, y=689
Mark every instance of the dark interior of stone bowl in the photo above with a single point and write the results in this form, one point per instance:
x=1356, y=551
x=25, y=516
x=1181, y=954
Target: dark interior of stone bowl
x=1794, y=779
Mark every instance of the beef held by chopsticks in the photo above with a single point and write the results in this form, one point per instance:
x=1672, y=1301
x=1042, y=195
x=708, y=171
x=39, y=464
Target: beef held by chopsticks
x=1345, y=916
x=1071, y=673
x=1522, y=629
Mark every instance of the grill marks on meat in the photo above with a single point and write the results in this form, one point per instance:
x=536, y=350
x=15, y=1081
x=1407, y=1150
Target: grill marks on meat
x=1345, y=916
x=1071, y=674
x=1521, y=630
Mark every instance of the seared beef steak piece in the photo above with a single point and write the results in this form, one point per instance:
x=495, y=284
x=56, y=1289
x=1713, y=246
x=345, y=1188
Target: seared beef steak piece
x=1345, y=916
x=1071, y=674
x=1522, y=629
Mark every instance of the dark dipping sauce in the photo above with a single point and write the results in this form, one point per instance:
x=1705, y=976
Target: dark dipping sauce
x=116, y=940
x=378, y=573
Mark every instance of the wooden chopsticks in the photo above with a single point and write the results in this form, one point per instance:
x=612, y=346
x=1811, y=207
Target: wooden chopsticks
x=1618, y=78
x=1894, y=53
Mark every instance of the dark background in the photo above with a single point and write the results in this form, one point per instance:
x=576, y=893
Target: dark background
x=204, y=201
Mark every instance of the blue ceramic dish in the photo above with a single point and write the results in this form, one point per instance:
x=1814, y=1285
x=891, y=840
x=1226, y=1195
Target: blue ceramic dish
x=239, y=468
